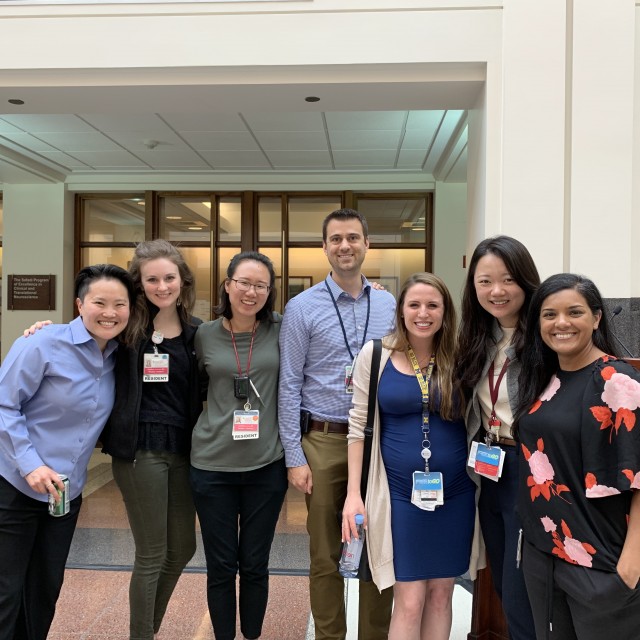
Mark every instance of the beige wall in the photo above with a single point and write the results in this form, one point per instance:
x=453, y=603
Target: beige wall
x=44, y=229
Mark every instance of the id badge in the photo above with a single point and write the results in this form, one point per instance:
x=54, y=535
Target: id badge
x=348, y=379
x=155, y=367
x=246, y=425
x=427, y=490
x=486, y=461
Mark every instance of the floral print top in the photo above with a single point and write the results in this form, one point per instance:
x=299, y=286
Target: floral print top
x=581, y=457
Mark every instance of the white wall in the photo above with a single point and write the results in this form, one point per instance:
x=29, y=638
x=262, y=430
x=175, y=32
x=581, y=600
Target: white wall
x=604, y=53
x=450, y=227
x=553, y=135
x=533, y=128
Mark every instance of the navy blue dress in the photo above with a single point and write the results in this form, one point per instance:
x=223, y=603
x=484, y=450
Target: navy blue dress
x=426, y=544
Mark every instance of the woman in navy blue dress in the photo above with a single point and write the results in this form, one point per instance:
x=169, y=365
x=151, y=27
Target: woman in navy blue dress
x=418, y=463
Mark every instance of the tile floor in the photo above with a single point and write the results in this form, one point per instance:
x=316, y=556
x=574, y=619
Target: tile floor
x=94, y=603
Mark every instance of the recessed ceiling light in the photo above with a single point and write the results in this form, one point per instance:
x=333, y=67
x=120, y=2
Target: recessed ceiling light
x=312, y=99
x=195, y=228
x=15, y=101
x=174, y=217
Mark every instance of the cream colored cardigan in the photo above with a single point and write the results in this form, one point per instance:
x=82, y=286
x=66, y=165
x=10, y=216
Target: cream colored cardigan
x=377, y=502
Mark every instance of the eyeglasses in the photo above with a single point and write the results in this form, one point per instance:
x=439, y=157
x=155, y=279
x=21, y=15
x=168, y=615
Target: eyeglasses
x=245, y=285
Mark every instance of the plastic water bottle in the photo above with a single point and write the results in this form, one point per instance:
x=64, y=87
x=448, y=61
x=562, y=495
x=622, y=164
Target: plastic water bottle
x=351, y=551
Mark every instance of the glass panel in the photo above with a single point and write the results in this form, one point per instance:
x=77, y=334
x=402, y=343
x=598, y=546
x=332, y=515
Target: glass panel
x=197, y=258
x=224, y=258
x=395, y=220
x=275, y=255
x=199, y=261
x=270, y=219
x=307, y=267
x=113, y=255
x=114, y=220
x=230, y=219
x=185, y=219
x=306, y=216
x=390, y=267
x=1, y=221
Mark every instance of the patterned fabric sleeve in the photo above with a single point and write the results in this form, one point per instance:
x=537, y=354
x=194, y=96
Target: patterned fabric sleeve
x=610, y=430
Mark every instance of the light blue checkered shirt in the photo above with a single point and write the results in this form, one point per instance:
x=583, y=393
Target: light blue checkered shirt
x=313, y=355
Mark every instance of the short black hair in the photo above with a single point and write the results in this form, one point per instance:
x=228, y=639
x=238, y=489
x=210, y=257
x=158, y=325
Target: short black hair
x=88, y=275
x=345, y=214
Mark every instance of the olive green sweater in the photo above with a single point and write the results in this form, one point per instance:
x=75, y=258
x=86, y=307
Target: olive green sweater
x=213, y=447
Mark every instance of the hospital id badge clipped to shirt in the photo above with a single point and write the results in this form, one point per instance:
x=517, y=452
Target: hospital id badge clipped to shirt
x=155, y=367
x=486, y=461
x=348, y=379
x=427, y=491
x=246, y=425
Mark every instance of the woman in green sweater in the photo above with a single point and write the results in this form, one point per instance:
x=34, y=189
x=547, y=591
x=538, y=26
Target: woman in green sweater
x=238, y=474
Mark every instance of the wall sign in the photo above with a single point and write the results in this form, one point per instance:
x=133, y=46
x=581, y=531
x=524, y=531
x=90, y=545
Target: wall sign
x=31, y=293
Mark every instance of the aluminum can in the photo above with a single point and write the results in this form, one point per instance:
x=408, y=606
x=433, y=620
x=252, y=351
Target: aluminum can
x=62, y=508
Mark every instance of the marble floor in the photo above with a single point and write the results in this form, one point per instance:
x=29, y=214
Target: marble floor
x=94, y=604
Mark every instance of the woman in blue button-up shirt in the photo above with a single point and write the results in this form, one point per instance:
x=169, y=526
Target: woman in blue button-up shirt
x=56, y=392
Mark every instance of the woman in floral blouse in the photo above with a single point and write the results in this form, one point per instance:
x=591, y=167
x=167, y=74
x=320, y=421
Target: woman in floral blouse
x=577, y=422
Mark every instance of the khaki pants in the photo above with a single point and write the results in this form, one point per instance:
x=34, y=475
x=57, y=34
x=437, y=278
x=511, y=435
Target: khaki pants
x=327, y=457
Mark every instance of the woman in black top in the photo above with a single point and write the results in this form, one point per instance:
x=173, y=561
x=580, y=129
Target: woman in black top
x=579, y=432
x=149, y=431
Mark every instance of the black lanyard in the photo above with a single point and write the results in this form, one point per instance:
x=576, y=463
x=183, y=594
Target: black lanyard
x=344, y=333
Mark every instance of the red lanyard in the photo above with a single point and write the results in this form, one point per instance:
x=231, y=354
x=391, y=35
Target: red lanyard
x=235, y=349
x=493, y=392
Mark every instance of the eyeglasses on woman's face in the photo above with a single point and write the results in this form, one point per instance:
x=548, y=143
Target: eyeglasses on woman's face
x=244, y=285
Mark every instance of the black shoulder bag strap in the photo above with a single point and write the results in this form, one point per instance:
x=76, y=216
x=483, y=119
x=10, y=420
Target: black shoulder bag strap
x=371, y=413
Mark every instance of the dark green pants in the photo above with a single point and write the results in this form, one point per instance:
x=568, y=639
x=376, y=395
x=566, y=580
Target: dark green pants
x=161, y=514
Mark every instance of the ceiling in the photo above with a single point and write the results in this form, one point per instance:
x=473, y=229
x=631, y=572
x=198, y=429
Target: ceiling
x=78, y=133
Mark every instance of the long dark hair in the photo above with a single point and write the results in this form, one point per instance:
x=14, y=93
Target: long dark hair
x=224, y=307
x=475, y=335
x=444, y=341
x=154, y=250
x=539, y=362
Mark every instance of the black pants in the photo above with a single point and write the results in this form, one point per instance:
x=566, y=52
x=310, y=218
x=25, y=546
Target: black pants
x=238, y=512
x=570, y=602
x=500, y=530
x=33, y=551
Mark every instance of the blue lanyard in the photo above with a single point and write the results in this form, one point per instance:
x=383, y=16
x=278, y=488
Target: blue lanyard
x=344, y=333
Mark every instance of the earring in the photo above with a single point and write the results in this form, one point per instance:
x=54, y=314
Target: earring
x=178, y=302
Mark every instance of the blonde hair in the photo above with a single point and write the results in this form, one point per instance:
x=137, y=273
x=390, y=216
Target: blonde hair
x=444, y=343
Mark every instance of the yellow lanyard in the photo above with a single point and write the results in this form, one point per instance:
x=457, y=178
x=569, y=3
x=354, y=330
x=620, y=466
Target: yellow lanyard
x=423, y=381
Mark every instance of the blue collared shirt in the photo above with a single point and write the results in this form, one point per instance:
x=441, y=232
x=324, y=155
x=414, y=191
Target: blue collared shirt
x=313, y=355
x=56, y=393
